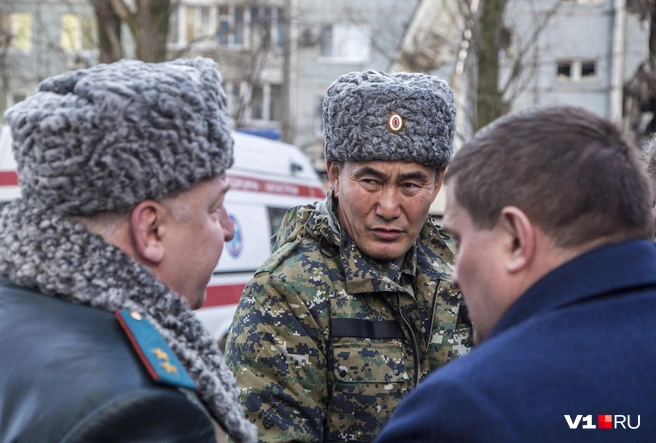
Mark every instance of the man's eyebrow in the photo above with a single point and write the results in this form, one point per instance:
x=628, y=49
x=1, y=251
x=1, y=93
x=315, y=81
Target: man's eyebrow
x=414, y=175
x=221, y=194
x=368, y=170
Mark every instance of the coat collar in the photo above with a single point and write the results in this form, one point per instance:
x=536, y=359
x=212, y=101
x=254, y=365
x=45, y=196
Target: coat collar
x=594, y=274
x=61, y=258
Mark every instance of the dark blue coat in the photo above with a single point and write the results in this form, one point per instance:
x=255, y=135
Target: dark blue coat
x=69, y=374
x=581, y=341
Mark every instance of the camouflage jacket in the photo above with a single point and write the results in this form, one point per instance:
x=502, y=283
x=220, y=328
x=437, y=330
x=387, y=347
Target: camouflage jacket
x=324, y=344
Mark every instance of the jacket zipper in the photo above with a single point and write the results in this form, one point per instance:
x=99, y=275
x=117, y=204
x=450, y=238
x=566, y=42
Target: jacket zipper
x=413, y=340
x=432, y=321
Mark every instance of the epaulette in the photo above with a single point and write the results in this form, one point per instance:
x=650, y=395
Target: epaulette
x=153, y=351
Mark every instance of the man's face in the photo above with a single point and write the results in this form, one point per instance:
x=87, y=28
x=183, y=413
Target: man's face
x=479, y=267
x=384, y=204
x=195, y=239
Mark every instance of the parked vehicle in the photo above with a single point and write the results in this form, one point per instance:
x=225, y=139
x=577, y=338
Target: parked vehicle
x=8, y=179
x=268, y=178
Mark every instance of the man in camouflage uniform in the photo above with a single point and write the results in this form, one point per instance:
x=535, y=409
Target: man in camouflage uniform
x=355, y=306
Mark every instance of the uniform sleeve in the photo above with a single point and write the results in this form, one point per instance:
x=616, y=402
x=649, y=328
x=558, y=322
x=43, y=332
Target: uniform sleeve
x=446, y=411
x=277, y=352
x=160, y=414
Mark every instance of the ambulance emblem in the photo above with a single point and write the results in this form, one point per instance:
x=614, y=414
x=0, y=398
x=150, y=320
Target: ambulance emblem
x=236, y=244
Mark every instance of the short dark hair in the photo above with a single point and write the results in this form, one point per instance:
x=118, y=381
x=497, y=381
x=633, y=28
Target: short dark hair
x=571, y=171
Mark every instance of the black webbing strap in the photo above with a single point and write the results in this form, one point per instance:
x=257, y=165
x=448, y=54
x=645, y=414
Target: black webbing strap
x=355, y=327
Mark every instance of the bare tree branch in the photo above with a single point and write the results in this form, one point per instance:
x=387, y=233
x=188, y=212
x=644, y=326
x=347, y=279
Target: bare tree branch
x=519, y=65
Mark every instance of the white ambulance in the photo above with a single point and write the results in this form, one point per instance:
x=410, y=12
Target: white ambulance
x=268, y=178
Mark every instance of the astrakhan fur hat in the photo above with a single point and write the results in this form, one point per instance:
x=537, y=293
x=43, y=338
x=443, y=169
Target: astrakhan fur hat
x=378, y=116
x=108, y=137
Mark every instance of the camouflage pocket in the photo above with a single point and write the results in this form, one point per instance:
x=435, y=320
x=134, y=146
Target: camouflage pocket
x=370, y=379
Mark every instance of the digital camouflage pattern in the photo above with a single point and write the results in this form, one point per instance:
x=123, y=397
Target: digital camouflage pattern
x=325, y=342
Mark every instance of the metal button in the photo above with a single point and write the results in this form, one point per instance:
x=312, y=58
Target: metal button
x=342, y=373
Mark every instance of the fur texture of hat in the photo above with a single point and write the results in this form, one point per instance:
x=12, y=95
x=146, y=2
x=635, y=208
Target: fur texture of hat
x=108, y=137
x=359, y=113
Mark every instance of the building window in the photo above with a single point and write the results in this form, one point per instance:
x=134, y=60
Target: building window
x=266, y=27
x=346, y=43
x=239, y=26
x=16, y=31
x=276, y=103
x=275, y=218
x=260, y=27
x=262, y=102
x=224, y=25
x=174, y=21
x=258, y=30
x=205, y=29
x=234, y=99
x=564, y=70
x=190, y=24
x=257, y=103
x=280, y=21
x=77, y=33
x=577, y=70
x=197, y=23
x=231, y=26
x=588, y=69
x=255, y=27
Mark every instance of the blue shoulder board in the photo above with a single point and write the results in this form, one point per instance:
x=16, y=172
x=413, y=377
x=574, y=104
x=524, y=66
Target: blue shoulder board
x=156, y=355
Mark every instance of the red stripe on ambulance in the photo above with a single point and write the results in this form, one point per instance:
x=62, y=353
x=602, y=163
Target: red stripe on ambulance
x=249, y=184
x=8, y=178
x=223, y=295
x=237, y=182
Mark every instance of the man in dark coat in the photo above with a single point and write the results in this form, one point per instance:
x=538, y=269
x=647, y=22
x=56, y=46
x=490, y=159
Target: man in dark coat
x=120, y=225
x=551, y=213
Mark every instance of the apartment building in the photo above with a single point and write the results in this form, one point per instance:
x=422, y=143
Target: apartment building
x=39, y=39
x=247, y=38
x=335, y=38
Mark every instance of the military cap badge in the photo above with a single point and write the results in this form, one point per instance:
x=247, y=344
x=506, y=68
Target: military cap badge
x=395, y=123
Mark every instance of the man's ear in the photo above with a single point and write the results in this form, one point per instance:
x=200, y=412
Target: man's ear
x=332, y=169
x=521, y=236
x=146, y=228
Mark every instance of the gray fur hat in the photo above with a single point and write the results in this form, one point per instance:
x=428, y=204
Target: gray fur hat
x=378, y=116
x=108, y=137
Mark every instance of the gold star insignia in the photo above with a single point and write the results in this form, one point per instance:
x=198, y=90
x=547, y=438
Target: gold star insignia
x=161, y=355
x=168, y=367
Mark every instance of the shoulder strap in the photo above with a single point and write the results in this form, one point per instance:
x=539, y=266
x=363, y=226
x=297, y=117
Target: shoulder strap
x=153, y=351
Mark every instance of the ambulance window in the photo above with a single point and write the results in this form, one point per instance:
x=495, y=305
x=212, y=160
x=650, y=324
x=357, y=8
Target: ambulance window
x=275, y=218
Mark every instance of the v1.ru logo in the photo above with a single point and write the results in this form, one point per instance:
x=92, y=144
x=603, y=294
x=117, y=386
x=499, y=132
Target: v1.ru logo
x=603, y=422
